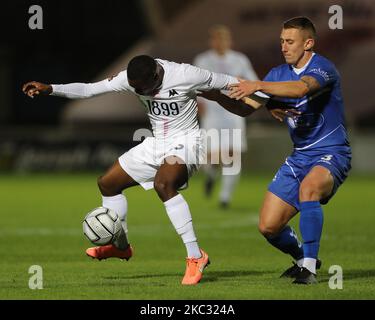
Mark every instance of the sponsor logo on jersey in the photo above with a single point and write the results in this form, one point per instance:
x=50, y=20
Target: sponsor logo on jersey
x=321, y=72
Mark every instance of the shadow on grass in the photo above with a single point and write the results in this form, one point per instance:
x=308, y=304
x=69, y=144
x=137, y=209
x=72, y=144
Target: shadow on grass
x=348, y=275
x=358, y=274
x=217, y=275
x=209, y=276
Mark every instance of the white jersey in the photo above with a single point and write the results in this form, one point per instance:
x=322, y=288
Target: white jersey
x=173, y=111
x=232, y=63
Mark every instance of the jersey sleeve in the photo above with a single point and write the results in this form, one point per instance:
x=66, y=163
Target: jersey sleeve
x=80, y=90
x=202, y=79
x=270, y=76
x=87, y=90
x=119, y=82
x=324, y=73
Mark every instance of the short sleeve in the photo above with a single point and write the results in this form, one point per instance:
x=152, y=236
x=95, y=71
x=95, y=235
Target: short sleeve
x=325, y=75
x=270, y=76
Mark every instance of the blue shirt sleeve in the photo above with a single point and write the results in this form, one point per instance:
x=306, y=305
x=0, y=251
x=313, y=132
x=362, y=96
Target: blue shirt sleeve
x=324, y=73
x=270, y=76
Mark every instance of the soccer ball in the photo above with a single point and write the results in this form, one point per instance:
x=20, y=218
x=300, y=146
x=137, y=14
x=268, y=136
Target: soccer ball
x=101, y=226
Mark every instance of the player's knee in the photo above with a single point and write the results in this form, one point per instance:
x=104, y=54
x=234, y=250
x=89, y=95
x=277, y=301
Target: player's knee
x=164, y=188
x=105, y=187
x=309, y=191
x=267, y=229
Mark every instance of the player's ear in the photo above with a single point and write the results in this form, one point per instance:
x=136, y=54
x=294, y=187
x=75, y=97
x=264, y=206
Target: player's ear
x=309, y=44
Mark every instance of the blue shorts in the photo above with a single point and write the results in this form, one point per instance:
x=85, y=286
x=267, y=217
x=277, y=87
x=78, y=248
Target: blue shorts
x=287, y=180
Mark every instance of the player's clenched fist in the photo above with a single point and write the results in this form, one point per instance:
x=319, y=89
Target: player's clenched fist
x=34, y=88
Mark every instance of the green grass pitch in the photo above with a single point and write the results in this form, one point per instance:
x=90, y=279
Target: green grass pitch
x=41, y=219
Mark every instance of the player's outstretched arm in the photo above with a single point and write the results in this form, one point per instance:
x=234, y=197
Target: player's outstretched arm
x=237, y=107
x=288, y=89
x=77, y=90
x=34, y=88
x=70, y=90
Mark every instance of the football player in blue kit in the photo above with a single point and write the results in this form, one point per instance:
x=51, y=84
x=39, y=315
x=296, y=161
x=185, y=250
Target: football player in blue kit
x=319, y=164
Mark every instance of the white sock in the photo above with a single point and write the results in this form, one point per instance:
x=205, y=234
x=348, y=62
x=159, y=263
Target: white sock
x=119, y=204
x=179, y=214
x=310, y=264
x=300, y=262
x=228, y=184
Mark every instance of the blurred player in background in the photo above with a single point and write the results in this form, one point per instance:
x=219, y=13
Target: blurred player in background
x=321, y=159
x=221, y=58
x=163, y=162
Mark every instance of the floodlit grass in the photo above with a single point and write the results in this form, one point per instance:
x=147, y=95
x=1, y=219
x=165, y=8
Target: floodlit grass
x=41, y=219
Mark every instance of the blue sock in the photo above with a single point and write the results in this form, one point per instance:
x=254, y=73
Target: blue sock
x=311, y=225
x=287, y=242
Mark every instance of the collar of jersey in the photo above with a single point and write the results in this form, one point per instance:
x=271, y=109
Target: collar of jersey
x=298, y=71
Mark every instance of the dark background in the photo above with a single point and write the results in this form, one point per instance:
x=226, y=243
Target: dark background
x=78, y=39
x=81, y=39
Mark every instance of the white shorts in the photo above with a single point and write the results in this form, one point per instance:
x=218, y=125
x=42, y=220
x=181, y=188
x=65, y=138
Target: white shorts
x=143, y=161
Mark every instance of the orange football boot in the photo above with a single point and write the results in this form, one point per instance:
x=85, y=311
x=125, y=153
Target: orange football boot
x=109, y=251
x=194, y=269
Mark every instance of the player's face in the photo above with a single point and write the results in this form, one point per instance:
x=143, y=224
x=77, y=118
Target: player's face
x=293, y=45
x=149, y=87
x=220, y=41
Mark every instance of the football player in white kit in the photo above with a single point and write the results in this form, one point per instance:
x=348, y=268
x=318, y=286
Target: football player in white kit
x=164, y=161
x=220, y=58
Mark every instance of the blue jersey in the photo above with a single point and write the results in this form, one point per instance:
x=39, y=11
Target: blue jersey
x=322, y=122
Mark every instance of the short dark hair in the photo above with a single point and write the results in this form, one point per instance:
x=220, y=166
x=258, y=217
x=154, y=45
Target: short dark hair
x=142, y=68
x=302, y=23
